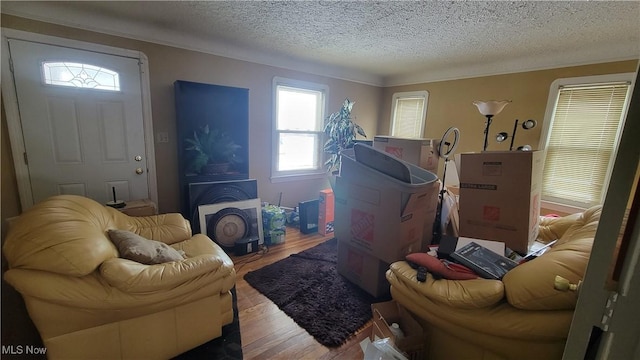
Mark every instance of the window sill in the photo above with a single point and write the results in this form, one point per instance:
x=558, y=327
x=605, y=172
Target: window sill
x=287, y=178
x=561, y=209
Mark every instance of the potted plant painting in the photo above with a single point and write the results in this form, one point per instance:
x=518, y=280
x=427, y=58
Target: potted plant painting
x=214, y=150
x=341, y=133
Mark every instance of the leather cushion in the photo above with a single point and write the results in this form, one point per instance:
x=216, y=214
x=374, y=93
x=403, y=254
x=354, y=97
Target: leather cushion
x=137, y=248
x=467, y=294
x=530, y=286
x=65, y=234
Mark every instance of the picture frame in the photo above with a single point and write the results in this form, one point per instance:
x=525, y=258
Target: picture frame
x=227, y=222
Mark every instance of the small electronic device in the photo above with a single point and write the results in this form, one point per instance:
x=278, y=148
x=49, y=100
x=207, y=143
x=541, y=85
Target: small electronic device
x=309, y=216
x=246, y=246
x=422, y=274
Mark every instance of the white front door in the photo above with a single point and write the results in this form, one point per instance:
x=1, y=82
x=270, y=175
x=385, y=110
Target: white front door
x=86, y=139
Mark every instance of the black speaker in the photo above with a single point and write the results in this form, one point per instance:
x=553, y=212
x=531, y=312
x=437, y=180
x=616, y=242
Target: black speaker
x=309, y=216
x=205, y=193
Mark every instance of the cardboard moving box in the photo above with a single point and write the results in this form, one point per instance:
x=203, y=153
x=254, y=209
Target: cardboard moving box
x=144, y=207
x=419, y=152
x=379, y=214
x=500, y=196
x=387, y=313
x=364, y=270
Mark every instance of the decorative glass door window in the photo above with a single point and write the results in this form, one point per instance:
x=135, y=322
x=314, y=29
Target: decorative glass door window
x=80, y=75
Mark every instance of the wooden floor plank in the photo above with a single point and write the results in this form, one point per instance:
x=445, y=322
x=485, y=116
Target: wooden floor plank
x=267, y=332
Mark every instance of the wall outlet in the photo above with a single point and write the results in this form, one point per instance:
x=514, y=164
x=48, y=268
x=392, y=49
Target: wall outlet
x=162, y=137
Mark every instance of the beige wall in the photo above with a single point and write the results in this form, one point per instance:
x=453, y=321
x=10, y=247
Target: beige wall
x=450, y=104
x=168, y=64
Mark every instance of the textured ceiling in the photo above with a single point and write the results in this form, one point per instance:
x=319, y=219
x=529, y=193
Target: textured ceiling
x=381, y=43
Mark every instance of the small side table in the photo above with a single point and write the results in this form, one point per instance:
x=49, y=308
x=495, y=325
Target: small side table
x=143, y=207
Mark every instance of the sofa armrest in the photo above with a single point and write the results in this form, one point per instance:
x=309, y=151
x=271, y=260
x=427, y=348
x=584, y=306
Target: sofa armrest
x=462, y=294
x=132, y=277
x=204, y=257
x=167, y=228
x=552, y=228
x=530, y=286
x=571, y=226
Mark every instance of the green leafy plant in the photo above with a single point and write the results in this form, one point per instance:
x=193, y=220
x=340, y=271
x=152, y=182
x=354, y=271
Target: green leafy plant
x=211, y=147
x=341, y=132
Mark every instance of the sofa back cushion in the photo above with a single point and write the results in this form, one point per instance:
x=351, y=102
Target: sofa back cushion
x=530, y=286
x=64, y=234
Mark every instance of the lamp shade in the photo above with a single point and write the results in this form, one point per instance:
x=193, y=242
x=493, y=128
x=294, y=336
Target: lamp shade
x=491, y=107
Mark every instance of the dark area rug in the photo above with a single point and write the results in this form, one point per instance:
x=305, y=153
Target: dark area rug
x=308, y=288
x=226, y=347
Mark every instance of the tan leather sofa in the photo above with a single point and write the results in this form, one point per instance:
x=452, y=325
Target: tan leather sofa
x=521, y=317
x=88, y=303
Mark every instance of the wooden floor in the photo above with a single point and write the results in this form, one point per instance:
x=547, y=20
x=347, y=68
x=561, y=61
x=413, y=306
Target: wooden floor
x=267, y=332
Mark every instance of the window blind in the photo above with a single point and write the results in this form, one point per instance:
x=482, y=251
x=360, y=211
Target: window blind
x=582, y=143
x=408, y=117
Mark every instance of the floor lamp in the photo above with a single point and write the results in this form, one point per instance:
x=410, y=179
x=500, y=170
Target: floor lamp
x=502, y=136
x=489, y=109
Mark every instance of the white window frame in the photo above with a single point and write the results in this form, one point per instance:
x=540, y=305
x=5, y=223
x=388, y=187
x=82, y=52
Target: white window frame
x=569, y=206
x=423, y=94
x=296, y=175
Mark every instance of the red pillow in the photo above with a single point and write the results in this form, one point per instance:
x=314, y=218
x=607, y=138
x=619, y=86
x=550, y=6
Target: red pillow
x=436, y=266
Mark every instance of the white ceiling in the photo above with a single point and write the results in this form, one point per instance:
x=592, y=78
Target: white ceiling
x=380, y=43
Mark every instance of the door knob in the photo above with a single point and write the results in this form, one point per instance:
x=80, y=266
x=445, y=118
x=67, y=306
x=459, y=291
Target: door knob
x=139, y=171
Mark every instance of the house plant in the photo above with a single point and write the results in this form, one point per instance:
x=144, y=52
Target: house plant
x=341, y=133
x=215, y=151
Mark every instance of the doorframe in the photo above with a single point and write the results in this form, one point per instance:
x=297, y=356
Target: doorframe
x=14, y=122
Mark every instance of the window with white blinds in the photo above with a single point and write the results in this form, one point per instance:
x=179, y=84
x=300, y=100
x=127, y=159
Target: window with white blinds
x=408, y=114
x=582, y=141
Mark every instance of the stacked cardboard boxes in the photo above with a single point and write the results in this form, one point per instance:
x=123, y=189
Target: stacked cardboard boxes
x=500, y=196
x=379, y=218
x=420, y=152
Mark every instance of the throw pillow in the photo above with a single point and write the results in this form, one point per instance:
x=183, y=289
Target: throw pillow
x=440, y=269
x=137, y=248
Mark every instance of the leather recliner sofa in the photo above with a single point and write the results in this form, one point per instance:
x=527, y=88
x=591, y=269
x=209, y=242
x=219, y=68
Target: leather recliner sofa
x=89, y=303
x=521, y=317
